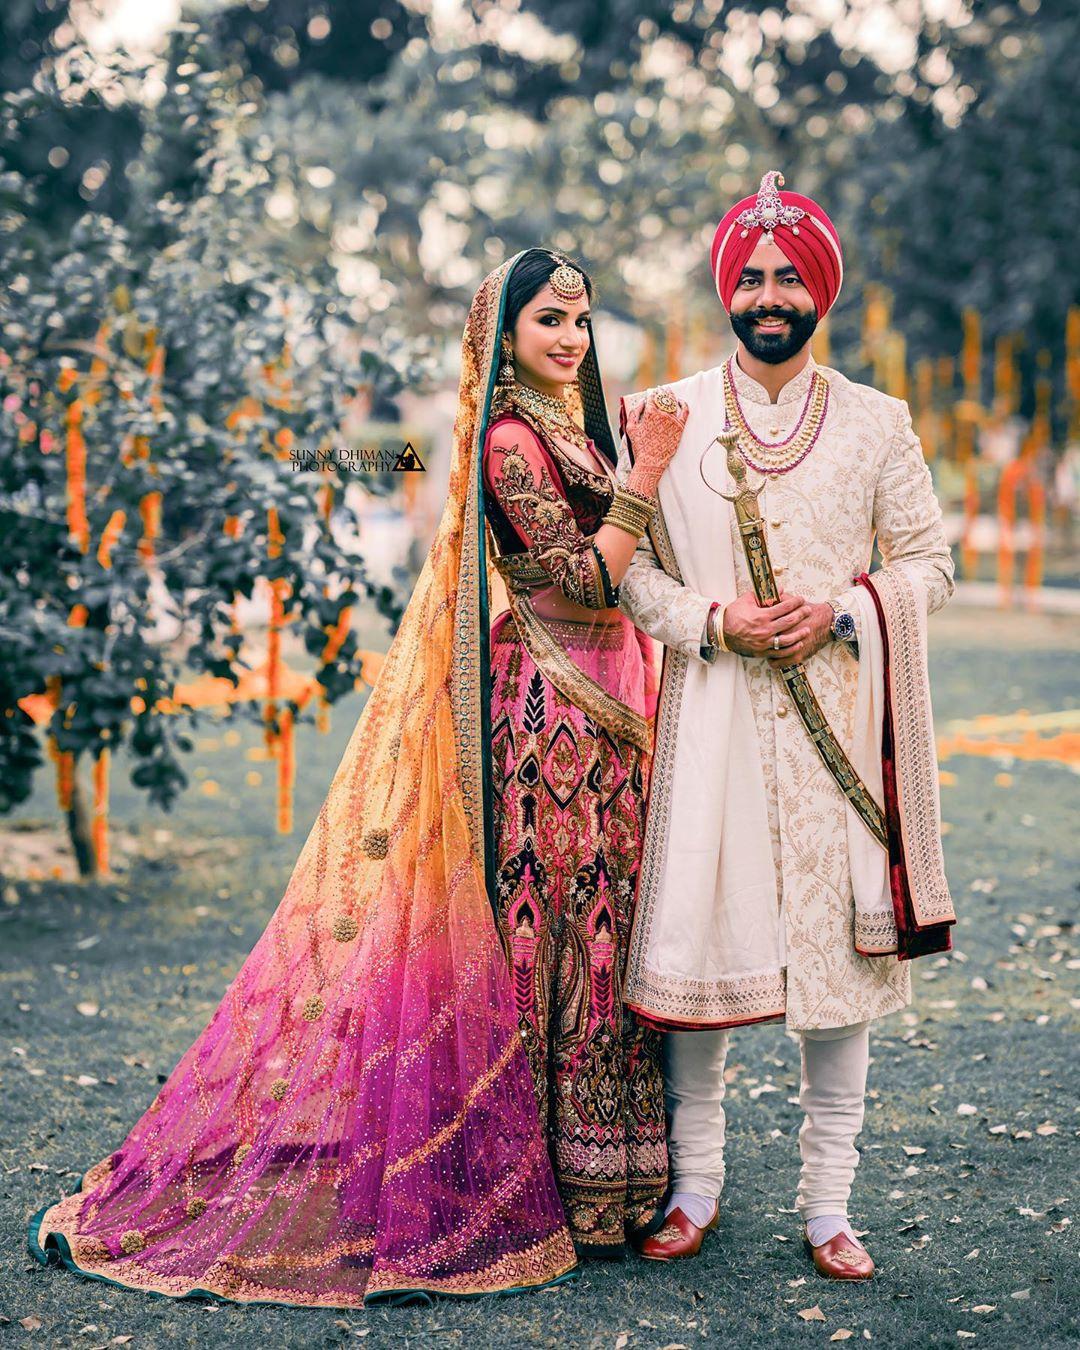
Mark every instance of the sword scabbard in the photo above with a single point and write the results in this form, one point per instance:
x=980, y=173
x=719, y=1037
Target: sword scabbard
x=756, y=548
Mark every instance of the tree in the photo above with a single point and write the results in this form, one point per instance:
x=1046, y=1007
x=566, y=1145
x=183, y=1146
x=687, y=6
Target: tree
x=156, y=371
x=982, y=214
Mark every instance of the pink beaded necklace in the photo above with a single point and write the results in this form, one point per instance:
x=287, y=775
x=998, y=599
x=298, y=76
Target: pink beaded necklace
x=797, y=444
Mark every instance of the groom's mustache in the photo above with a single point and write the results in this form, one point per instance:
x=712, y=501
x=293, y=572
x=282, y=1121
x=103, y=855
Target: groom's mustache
x=754, y=314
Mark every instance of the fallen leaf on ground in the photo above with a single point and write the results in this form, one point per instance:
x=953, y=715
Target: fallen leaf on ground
x=88, y=1009
x=30, y=1323
x=984, y=1308
x=1020, y=1293
x=966, y=1109
x=913, y=1151
x=841, y=1334
x=813, y=1314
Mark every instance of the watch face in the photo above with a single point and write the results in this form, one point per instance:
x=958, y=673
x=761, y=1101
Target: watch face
x=843, y=627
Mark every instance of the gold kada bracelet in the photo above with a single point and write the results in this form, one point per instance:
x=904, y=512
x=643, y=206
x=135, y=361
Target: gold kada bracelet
x=715, y=625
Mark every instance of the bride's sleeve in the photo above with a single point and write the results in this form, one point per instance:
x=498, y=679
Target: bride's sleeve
x=523, y=479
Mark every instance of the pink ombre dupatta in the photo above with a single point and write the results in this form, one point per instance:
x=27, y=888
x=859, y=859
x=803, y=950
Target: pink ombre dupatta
x=358, y=1119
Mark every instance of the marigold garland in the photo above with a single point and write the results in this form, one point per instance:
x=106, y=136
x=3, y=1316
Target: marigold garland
x=110, y=536
x=100, y=825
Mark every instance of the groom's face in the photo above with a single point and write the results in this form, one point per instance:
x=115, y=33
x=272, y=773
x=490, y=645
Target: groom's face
x=771, y=310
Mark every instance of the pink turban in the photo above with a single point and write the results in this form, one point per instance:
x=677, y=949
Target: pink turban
x=803, y=232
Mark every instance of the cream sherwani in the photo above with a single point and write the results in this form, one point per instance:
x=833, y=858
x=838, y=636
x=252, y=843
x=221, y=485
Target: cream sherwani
x=759, y=924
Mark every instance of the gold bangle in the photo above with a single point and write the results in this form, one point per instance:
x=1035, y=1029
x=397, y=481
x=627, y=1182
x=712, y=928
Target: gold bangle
x=637, y=520
x=717, y=617
x=631, y=512
x=638, y=498
x=714, y=627
x=634, y=528
x=650, y=500
x=630, y=521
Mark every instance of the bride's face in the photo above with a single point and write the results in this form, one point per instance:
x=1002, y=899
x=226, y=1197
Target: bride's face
x=549, y=340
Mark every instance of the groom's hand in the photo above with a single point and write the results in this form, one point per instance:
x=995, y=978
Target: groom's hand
x=749, y=628
x=800, y=643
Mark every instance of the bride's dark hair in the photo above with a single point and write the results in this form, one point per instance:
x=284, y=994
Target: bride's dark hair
x=529, y=274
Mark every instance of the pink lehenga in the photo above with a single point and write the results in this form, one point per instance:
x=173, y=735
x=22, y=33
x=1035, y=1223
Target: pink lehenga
x=358, y=1119
x=573, y=691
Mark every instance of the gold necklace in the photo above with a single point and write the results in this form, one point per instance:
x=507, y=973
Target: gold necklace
x=550, y=411
x=780, y=456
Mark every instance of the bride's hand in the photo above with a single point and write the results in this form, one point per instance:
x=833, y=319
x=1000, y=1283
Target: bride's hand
x=654, y=427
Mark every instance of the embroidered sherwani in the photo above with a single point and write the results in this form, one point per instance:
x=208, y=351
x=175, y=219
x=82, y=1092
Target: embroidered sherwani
x=718, y=942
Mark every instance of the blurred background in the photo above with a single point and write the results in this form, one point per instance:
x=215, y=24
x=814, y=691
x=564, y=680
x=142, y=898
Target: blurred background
x=238, y=242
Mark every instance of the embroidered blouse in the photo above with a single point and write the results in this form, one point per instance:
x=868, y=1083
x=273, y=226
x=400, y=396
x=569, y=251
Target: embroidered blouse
x=542, y=503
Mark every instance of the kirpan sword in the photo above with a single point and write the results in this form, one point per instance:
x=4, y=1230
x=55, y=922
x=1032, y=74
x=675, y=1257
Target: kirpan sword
x=752, y=532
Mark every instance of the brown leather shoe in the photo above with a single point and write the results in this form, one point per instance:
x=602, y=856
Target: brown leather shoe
x=678, y=1238
x=842, y=1259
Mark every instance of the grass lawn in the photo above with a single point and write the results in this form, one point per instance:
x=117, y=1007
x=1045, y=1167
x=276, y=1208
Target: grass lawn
x=968, y=1181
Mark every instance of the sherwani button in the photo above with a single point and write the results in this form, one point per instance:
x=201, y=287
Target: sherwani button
x=781, y=710
x=776, y=524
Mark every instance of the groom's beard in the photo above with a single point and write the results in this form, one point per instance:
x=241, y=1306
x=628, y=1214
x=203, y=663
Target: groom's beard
x=774, y=347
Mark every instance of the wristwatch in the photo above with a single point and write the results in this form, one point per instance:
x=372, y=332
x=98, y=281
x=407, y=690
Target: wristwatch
x=843, y=625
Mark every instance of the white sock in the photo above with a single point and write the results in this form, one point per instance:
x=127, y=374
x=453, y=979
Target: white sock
x=699, y=1209
x=826, y=1226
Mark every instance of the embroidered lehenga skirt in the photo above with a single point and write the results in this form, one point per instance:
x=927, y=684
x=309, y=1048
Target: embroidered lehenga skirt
x=569, y=799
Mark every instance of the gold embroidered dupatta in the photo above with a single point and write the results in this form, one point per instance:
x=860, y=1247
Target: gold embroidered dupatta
x=358, y=1119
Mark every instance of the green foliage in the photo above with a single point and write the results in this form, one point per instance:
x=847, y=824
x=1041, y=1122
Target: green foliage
x=621, y=132
x=983, y=214
x=243, y=309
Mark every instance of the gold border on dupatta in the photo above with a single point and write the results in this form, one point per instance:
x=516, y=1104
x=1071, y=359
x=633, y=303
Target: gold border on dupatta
x=914, y=749
x=466, y=694
x=582, y=691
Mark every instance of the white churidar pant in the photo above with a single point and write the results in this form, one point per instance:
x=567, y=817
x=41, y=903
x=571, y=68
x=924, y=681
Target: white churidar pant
x=832, y=1096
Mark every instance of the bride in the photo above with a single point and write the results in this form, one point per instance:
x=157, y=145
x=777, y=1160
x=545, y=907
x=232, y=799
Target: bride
x=423, y=1079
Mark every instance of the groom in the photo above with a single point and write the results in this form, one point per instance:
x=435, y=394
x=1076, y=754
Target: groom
x=792, y=859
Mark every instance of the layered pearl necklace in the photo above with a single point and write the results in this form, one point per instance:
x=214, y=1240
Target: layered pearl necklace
x=775, y=457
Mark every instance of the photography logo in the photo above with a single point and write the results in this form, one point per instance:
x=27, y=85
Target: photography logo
x=406, y=460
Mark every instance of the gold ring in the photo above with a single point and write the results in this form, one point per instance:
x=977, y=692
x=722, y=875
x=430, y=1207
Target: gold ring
x=665, y=401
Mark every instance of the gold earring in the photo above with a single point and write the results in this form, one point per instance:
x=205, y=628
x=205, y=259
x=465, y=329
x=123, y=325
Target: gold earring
x=506, y=368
